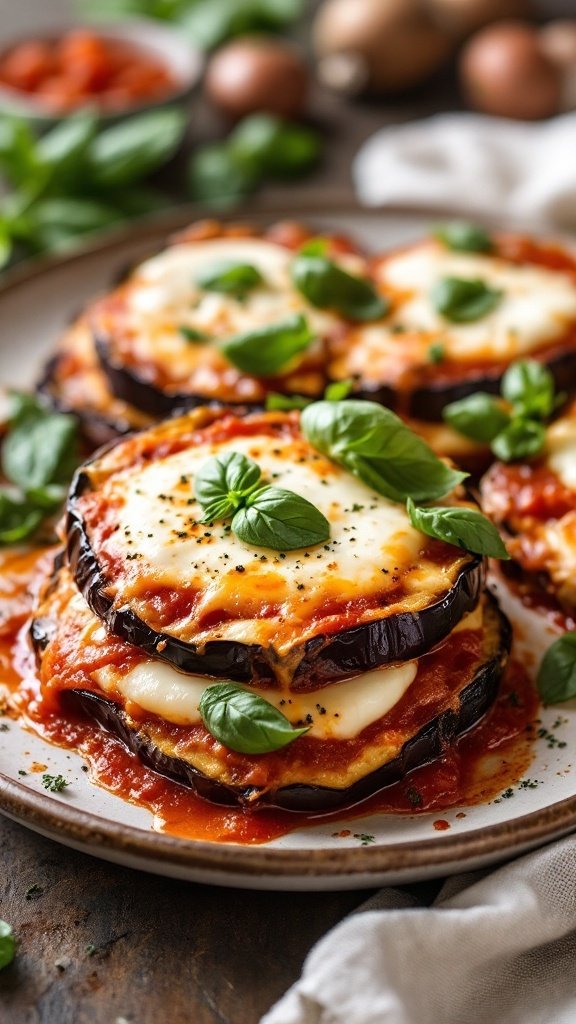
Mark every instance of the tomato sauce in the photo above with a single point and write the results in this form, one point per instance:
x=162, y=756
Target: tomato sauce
x=81, y=68
x=489, y=759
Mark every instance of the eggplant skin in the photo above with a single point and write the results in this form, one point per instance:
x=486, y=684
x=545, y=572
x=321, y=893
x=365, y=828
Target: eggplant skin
x=130, y=386
x=428, y=402
x=425, y=746
x=321, y=660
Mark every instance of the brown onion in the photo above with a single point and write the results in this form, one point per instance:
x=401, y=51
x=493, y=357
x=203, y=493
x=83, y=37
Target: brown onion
x=257, y=74
x=378, y=46
x=505, y=72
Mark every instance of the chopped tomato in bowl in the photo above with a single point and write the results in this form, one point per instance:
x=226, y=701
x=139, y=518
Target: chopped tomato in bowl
x=114, y=70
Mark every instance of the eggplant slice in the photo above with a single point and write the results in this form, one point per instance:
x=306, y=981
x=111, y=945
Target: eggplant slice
x=157, y=335
x=453, y=687
x=419, y=359
x=194, y=595
x=72, y=381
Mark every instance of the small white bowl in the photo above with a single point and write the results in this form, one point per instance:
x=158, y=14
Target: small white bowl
x=183, y=60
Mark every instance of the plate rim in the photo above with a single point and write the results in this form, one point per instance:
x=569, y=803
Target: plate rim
x=66, y=822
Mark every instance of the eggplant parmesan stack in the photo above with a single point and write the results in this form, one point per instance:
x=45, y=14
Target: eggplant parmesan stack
x=534, y=504
x=256, y=621
x=463, y=306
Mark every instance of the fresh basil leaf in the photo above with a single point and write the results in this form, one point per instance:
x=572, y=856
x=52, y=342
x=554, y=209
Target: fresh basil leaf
x=276, y=402
x=338, y=390
x=437, y=353
x=40, y=448
x=131, y=150
x=265, y=351
x=55, y=224
x=192, y=335
x=63, y=151
x=18, y=519
x=522, y=439
x=209, y=23
x=7, y=945
x=529, y=386
x=374, y=444
x=556, y=678
x=216, y=177
x=464, y=527
x=464, y=300
x=223, y=482
x=230, y=277
x=327, y=286
x=279, y=519
x=243, y=721
x=22, y=403
x=18, y=156
x=479, y=416
x=462, y=236
x=268, y=146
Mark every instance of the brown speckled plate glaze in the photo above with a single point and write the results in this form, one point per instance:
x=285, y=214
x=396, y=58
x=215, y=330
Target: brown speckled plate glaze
x=35, y=304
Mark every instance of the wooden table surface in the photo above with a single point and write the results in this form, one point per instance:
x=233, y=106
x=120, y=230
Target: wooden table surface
x=107, y=945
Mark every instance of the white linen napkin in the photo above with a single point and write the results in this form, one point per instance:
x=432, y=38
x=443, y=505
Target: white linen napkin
x=494, y=948
x=475, y=165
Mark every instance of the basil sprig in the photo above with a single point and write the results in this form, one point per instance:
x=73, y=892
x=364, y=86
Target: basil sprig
x=463, y=300
x=512, y=425
x=230, y=277
x=463, y=236
x=556, y=679
x=375, y=445
x=327, y=286
x=245, y=722
x=39, y=455
x=7, y=944
x=222, y=484
x=464, y=527
x=229, y=487
x=265, y=351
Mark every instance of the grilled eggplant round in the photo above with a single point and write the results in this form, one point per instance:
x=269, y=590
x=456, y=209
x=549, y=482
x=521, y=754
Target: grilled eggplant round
x=158, y=335
x=429, y=352
x=195, y=595
x=364, y=734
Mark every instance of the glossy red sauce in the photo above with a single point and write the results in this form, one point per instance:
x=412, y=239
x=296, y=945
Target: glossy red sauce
x=492, y=757
x=517, y=490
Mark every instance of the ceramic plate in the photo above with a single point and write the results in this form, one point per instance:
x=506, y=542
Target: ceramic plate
x=35, y=304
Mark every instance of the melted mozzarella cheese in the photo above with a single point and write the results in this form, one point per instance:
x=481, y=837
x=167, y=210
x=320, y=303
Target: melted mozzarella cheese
x=537, y=305
x=561, y=450
x=163, y=295
x=339, y=711
x=372, y=545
